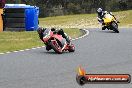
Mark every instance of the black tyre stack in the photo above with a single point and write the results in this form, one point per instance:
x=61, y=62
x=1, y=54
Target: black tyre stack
x=14, y=19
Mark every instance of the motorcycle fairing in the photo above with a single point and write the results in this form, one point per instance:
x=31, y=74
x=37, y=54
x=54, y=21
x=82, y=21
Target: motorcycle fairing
x=108, y=18
x=60, y=38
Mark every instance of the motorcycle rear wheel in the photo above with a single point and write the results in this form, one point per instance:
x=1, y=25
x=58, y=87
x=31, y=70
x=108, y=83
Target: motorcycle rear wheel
x=115, y=27
x=71, y=48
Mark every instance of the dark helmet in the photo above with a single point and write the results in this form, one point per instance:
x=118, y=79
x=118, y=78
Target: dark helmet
x=40, y=30
x=53, y=29
x=99, y=10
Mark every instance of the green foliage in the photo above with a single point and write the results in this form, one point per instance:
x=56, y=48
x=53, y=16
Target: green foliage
x=112, y=5
x=64, y=7
x=74, y=8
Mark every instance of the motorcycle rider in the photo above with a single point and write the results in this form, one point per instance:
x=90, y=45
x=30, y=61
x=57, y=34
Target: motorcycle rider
x=101, y=14
x=41, y=30
x=61, y=32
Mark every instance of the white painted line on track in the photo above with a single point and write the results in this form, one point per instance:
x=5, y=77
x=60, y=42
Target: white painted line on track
x=2, y=53
x=39, y=47
x=27, y=49
x=87, y=33
x=21, y=50
x=43, y=46
x=15, y=51
x=33, y=48
x=8, y=52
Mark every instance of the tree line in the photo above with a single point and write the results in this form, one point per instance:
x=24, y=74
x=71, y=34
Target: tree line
x=66, y=7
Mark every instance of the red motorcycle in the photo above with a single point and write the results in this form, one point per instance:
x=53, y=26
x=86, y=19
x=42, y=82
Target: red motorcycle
x=56, y=42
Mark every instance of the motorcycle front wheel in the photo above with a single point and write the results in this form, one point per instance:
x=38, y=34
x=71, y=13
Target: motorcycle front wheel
x=56, y=47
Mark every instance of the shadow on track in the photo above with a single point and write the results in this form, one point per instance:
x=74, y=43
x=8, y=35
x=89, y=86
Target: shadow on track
x=54, y=53
x=108, y=31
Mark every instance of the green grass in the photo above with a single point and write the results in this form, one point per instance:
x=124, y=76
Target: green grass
x=11, y=41
x=85, y=20
x=125, y=17
x=69, y=21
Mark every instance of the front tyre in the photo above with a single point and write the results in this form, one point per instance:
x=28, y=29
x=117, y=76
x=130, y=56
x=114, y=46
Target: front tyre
x=56, y=47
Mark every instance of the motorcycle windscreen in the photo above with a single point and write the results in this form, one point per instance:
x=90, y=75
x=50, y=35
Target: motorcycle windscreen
x=46, y=35
x=107, y=18
x=63, y=42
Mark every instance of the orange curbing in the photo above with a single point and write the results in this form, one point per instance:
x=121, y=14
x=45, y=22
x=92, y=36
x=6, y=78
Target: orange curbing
x=1, y=21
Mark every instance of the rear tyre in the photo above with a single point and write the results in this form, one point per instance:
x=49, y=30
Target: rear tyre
x=71, y=48
x=115, y=27
x=116, y=31
x=56, y=47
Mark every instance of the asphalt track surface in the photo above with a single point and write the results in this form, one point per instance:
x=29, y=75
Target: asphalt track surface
x=99, y=52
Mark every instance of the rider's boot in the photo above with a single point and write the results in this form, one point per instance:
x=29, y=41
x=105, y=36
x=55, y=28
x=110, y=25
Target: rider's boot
x=104, y=27
x=68, y=40
x=48, y=48
x=64, y=35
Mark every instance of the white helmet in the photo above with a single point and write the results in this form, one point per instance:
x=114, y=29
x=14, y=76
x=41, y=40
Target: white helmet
x=99, y=10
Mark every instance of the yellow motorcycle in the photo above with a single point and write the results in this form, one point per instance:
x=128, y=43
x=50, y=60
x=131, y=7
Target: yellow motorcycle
x=110, y=22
